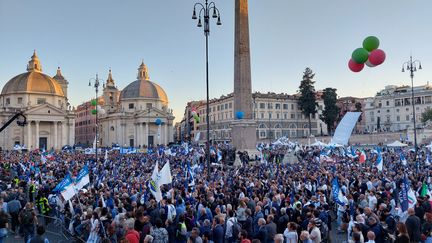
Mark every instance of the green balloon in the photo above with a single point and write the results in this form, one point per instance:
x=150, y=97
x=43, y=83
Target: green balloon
x=360, y=55
x=371, y=43
x=94, y=112
x=93, y=102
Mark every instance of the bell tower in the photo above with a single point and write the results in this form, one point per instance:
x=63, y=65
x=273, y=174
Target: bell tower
x=34, y=63
x=62, y=81
x=110, y=94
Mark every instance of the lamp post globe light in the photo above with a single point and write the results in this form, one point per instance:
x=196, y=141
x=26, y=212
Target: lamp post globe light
x=96, y=85
x=413, y=66
x=202, y=13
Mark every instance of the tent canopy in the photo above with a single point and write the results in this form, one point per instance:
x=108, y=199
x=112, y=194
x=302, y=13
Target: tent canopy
x=318, y=144
x=396, y=144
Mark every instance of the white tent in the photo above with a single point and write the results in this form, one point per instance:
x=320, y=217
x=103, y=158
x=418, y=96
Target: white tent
x=396, y=144
x=336, y=145
x=318, y=144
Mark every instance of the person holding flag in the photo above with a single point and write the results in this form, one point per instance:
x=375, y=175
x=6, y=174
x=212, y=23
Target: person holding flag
x=341, y=201
x=158, y=179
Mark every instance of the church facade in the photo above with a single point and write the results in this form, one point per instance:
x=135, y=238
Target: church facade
x=43, y=100
x=137, y=116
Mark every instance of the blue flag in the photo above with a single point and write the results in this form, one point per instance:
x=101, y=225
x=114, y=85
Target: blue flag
x=63, y=184
x=337, y=193
x=403, y=194
x=82, y=178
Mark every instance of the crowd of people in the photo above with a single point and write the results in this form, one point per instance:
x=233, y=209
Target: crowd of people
x=268, y=200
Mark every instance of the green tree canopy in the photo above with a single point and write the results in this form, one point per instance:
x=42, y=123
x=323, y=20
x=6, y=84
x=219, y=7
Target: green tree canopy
x=307, y=100
x=358, y=108
x=426, y=115
x=331, y=110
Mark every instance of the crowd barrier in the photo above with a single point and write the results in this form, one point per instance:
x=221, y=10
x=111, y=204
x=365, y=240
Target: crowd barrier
x=58, y=229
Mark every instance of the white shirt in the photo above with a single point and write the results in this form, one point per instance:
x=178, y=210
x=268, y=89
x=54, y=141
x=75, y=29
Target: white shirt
x=290, y=236
x=369, y=185
x=171, y=212
x=315, y=235
x=345, y=201
x=372, y=201
x=229, y=227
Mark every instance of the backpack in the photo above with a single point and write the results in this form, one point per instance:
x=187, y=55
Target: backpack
x=236, y=228
x=27, y=217
x=179, y=235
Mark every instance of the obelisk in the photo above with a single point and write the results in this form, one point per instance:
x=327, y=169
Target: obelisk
x=243, y=129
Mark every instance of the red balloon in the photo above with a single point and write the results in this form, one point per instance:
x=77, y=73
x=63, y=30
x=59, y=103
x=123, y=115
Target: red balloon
x=377, y=57
x=355, y=67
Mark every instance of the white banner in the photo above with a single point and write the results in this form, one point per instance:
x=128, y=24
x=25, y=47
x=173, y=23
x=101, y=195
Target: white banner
x=345, y=127
x=68, y=192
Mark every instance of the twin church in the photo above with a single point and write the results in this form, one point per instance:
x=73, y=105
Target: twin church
x=136, y=116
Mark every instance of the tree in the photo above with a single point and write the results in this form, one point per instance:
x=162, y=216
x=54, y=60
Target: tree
x=307, y=101
x=358, y=108
x=426, y=115
x=331, y=110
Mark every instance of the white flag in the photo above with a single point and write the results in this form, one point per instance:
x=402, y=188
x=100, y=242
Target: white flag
x=153, y=184
x=412, y=199
x=165, y=175
x=68, y=192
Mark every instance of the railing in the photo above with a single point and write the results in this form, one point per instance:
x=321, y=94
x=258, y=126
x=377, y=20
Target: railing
x=58, y=230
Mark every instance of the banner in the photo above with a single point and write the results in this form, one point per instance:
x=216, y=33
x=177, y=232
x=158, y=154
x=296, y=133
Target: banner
x=345, y=127
x=66, y=188
x=83, y=178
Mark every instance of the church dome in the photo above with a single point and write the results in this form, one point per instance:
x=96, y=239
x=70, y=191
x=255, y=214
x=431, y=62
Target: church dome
x=33, y=81
x=144, y=88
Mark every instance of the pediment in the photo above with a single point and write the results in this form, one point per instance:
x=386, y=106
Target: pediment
x=45, y=109
x=154, y=112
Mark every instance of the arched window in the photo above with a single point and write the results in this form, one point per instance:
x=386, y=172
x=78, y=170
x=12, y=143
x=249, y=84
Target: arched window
x=278, y=126
x=261, y=126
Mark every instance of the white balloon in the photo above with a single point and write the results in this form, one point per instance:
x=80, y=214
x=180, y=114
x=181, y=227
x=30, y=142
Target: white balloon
x=369, y=64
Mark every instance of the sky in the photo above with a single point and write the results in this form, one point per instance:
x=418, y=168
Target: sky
x=88, y=37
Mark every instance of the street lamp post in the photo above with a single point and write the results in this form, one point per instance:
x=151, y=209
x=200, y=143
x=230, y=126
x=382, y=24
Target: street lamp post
x=204, y=12
x=411, y=66
x=96, y=85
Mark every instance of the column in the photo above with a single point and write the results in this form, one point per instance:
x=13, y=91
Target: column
x=125, y=142
x=71, y=134
x=120, y=134
x=55, y=135
x=37, y=134
x=138, y=137
x=117, y=132
x=146, y=134
x=165, y=133
x=140, y=134
x=135, y=134
x=29, y=135
x=64, y=135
